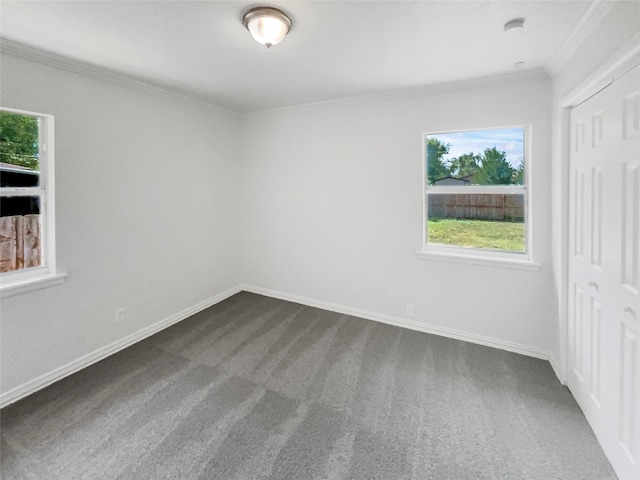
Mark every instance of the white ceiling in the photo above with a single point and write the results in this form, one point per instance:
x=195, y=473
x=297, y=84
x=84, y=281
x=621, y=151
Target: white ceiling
x=336, y=49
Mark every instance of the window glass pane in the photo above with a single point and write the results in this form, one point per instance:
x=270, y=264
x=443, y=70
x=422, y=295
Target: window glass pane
x=19, y=150
x=20, y=233
x=17, y=205
x=482, y=157
x=489, y=221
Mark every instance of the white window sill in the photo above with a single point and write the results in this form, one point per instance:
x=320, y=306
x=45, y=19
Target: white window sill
x=9, y=288
x=482, y=260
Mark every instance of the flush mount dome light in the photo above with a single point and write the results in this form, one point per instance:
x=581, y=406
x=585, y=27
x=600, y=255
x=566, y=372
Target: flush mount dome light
x=267, y=25
x=517, y=24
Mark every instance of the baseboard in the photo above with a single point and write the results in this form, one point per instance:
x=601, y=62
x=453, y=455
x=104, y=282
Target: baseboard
x=47, y=379
x=42, y=381
x=402, y=322
x=557, y=368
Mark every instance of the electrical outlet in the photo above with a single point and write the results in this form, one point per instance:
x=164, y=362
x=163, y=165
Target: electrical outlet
x=120, y=315
x=409, y=310
x=355, y=288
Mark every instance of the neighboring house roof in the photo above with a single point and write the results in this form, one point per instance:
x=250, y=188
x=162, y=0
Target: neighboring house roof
x=452, y=181
x=7, y=167
x=470, y=178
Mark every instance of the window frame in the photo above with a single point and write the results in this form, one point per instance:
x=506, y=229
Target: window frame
x=33, y=278
x=471, y=255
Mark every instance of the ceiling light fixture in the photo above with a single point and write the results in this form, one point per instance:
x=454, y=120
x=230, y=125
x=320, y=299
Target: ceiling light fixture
x=267, y=25
x=516, y=23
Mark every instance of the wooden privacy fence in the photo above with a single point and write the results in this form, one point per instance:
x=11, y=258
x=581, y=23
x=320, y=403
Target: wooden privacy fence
x=492, y=206
x=20, y=245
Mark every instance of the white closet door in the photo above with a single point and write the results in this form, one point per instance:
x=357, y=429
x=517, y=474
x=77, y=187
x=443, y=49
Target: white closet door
x=604, y=268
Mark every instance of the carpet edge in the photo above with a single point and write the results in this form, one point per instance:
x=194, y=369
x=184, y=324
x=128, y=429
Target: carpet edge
x=507, y=345
x=31, y=386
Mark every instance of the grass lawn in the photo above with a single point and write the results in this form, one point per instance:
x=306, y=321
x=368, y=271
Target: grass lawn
x=477, y=233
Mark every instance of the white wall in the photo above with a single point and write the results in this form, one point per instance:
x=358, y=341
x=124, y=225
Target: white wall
x=328, y=195
x=147, y=214
x=332, y=196
x=619, y=26
x=612, y=38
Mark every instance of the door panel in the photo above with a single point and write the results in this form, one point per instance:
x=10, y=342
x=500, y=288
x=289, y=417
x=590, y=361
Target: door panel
x=630, y=247
x=596, y=217
x=604, y=268
x=594, y=354
x=628, y=391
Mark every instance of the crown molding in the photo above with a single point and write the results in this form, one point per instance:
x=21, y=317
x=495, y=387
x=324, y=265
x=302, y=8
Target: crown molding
x=45, y=57
x=623, y=60
x=587, y=24
x=23, y=51
x=494, y=81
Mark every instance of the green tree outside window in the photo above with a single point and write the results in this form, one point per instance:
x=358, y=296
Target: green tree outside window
x=19, y=140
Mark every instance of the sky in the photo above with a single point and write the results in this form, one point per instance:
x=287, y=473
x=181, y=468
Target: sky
x=508, y=140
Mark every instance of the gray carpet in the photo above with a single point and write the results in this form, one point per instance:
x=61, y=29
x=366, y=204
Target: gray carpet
x=258, y=388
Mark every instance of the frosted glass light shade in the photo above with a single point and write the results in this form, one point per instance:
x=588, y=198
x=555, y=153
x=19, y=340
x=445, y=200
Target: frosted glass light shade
x=267, y=25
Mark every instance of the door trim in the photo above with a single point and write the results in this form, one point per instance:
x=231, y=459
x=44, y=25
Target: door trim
x=619, y=63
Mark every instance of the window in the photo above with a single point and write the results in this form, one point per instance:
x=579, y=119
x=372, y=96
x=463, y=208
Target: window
x=27, y=250
x=476, y=196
